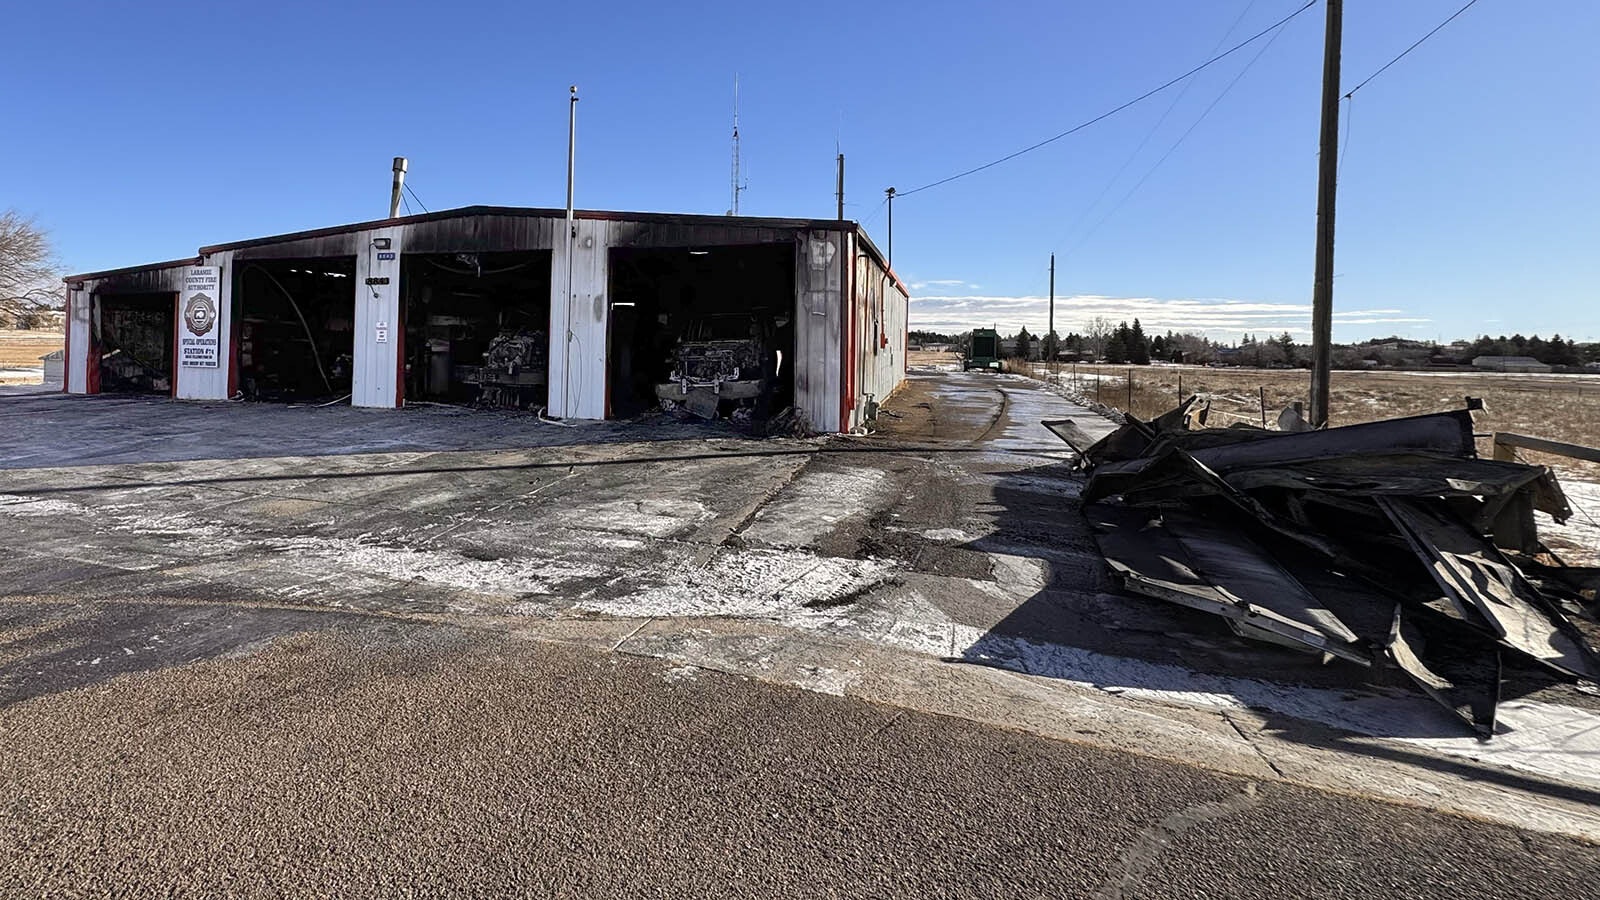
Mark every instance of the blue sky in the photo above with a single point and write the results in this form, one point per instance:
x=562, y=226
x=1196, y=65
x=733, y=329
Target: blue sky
x=1469, y=195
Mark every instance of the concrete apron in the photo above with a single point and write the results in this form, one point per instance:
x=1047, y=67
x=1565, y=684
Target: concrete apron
x=755, y=582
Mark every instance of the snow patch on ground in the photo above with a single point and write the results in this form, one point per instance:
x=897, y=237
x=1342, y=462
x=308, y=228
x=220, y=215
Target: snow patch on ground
x=785, y=585
x=649, y=516
x=503, y=576
x=1546, y=739
x=1580, y=536
x=814, y=504
x=14, y=505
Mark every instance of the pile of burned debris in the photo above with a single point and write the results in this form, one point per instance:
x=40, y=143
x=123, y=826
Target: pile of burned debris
x=1384, y=543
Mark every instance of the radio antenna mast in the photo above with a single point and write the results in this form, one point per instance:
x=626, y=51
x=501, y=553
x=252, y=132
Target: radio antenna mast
x=738, y=186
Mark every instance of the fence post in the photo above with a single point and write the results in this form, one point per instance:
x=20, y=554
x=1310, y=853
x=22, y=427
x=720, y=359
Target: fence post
x=1180, y=388
x=1130, y=391
x=1262, y=390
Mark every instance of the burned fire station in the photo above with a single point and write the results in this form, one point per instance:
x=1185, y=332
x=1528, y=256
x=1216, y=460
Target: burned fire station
x=499, y=307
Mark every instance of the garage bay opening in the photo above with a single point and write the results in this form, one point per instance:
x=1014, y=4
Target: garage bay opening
x=296, y=321
x=133, y=342
x=477, y=328
x=707, y=331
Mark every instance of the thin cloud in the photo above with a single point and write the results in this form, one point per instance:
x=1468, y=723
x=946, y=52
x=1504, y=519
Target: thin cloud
x=1215, y=318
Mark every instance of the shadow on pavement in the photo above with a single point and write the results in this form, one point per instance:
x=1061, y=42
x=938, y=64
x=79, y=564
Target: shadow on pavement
x=1079, y=628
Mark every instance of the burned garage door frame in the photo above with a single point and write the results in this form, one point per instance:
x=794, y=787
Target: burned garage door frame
x=705, y=328
x=849, y=309
x=86, y=298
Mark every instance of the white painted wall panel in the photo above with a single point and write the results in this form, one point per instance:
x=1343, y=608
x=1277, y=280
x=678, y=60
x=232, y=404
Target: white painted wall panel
x=77, y=375
x=579, y=320
x=375, y=357
x=819, y=278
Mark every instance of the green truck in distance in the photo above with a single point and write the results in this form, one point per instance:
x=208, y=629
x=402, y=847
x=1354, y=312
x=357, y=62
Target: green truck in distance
x=983, y=350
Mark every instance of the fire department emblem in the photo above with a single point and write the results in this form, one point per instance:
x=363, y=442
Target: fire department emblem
x=200, y=314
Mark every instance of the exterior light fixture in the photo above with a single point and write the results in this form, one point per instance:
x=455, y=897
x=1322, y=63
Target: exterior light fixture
x=381, y=243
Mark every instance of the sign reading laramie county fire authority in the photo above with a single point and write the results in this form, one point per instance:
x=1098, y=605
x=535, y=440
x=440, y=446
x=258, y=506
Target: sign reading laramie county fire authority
x=197, y=308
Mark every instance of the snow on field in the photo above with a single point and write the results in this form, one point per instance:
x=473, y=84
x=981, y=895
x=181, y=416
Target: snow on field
x=1579, y=539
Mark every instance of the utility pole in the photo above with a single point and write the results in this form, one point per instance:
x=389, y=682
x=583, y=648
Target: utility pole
x=1327, y=183
x=841, y=187
x=889, y=192
x=1050, y=336
x=733, y=210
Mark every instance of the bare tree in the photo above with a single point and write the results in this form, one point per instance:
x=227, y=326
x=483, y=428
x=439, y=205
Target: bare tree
x=1096, y=332
x=30, y=276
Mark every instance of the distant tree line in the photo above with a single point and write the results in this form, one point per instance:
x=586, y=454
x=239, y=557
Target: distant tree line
x=1555, y=352
x=1126, y=343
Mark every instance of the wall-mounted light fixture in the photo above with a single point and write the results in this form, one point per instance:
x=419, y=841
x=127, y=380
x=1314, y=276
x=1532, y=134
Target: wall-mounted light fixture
x=381, y=243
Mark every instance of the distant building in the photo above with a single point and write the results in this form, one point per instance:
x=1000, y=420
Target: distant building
x=54, y=364
x=1509, y=364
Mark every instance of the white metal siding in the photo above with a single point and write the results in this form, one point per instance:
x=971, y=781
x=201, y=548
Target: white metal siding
x=818, y=280
x=77, y=368
x=375, y=365
x=881, y=311
x=578, y=321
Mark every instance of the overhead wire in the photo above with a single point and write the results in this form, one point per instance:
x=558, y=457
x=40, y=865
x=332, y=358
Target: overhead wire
x=414, y=197
x=1111, y=182
x=1407, y=51
x=1173, y=149
x=1111, y=112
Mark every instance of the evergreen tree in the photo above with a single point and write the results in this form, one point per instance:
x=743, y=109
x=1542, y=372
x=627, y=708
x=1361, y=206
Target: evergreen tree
x=1117, y=346
x=1050, y=347
x=1024, y=344
x=1138, y=345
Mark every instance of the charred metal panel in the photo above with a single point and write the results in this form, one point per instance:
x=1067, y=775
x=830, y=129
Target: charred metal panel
x=1189, y=560
x=1466, y=683
x=1447, y=433
x=140, y=281
x=1486, y=588
x=484, y=234
x=342, y=244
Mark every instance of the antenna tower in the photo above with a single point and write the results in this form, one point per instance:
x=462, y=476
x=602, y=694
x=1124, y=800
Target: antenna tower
x=738, y=186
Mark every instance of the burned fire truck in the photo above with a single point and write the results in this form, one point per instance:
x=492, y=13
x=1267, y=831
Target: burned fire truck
x=721, y=364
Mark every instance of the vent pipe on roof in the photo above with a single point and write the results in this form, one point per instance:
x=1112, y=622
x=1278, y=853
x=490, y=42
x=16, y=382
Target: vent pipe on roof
x=399, y=185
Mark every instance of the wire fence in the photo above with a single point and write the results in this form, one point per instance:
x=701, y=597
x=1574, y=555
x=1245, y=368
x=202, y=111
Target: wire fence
x=1558, y=407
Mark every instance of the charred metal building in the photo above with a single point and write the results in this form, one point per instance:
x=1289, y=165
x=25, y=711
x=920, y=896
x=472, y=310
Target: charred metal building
x=478, y=306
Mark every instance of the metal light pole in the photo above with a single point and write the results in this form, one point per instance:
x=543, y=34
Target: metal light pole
x=572, y=233
x=1327, y=182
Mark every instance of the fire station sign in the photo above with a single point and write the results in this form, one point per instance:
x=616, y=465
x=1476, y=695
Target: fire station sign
x=197, y=308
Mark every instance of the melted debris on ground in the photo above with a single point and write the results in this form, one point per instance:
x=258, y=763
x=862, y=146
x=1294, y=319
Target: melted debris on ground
x=1388, y=544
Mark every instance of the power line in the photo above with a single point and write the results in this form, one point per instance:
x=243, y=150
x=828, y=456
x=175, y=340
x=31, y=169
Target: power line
x=1173, y=149
x=1470, y=4
x=1109, y=113
x=1110, y=183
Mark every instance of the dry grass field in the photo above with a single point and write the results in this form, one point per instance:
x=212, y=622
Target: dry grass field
x=1558, y=407
x=20, y=350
